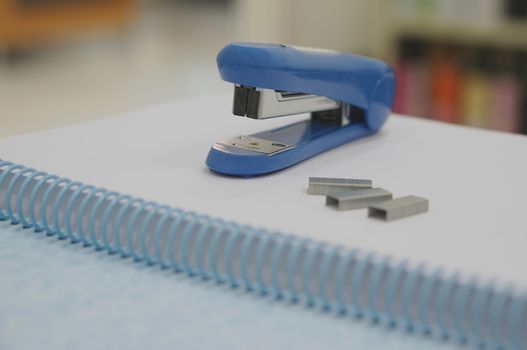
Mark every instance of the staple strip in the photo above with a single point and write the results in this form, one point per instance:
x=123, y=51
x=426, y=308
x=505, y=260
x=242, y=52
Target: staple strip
x=357, y=199
x=398, y=208
x=327, y=185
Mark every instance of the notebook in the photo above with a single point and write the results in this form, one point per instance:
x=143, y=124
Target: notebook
x=244, y=257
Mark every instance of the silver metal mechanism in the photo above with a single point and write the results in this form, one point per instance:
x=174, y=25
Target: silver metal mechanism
x=398, y=208
x=250, y=143
x=357, y=199
x=327, y=185
x=259, y=103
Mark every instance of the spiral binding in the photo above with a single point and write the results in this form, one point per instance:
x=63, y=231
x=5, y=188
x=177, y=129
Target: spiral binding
x=397, y=294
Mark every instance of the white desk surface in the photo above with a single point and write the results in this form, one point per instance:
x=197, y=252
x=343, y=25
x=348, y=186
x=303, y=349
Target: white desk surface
x=475, y=181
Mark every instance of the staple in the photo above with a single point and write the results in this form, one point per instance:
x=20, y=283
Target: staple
x=327, y=185
x=398, y=208
x=357, y=199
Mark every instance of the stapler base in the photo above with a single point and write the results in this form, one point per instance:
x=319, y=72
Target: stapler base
x=293, y=144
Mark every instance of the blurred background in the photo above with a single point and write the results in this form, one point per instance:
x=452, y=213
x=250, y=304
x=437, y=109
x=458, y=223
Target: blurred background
x=67, y=61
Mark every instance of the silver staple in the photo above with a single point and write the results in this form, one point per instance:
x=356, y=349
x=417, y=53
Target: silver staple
x=356, y=199
x=398, y=208
x=327, y=185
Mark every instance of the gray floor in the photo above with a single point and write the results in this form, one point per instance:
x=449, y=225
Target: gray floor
x=168, y=54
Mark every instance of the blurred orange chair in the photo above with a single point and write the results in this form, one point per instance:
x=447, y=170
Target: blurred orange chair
x=25, y=24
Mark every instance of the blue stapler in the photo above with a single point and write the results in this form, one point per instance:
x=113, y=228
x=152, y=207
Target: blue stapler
x=348, y=96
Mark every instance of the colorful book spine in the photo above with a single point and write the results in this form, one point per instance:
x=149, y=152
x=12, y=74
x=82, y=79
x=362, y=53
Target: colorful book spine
x=522, y=77
x=506, y=95
x=401, y=81
x=475, y=97
x=478, y=87
x=445, y=86
x=505, y=104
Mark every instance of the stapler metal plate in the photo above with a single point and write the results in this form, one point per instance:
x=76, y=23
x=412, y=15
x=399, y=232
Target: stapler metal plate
x=255, y=144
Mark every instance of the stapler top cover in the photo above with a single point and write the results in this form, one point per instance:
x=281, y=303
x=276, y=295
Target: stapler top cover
x=360, y=81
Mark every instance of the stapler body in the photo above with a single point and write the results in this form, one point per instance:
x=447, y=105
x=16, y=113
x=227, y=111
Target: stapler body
x=348, y=96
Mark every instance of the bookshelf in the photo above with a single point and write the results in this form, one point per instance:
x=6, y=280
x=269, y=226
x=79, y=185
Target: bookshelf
x=459, y=62
x=501, y=35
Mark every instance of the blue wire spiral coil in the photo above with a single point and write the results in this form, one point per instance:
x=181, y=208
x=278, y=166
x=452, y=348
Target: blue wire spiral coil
x=398, y=294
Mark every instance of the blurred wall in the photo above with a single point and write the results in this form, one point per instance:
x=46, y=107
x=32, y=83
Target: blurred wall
x=453, y=63
x=334, y=24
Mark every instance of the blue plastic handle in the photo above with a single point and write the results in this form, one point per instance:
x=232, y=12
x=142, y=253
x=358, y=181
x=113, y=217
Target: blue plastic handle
x=360, y=81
